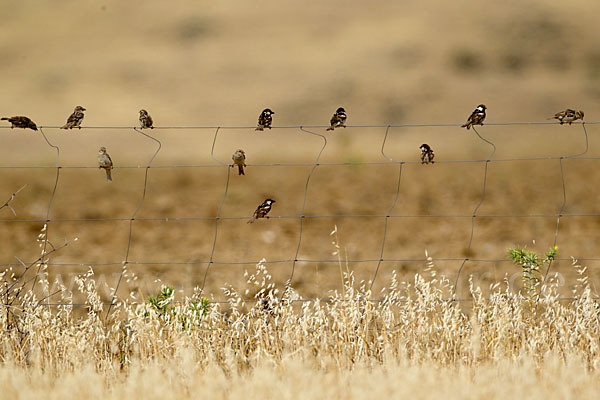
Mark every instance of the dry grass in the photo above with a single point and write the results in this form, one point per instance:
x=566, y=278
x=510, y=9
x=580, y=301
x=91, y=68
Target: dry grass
x=413, y=342
x=294, y=379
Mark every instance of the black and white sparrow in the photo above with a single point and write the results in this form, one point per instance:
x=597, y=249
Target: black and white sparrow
x=338, y=119
x=568, y=116
x=75, y=119
x=262, y=210
x=476, y=117
x=427, y=154
x=105, y=162
x=145, y=120
x=239, y=159
x=265, y=119
x=20, y=122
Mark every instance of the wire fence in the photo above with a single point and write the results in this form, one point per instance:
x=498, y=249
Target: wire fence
x=301, y=217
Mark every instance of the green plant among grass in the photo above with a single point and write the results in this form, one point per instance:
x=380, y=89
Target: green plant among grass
x=531, y=264
x=198, y=309
x=163, y=305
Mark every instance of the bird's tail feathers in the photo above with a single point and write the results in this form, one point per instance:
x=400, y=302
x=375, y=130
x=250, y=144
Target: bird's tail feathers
x=251, y=220
x=4, y=118
x=241, y=170
x=108, y=175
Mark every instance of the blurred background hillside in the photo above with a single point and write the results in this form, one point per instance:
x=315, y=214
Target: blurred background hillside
x=220, y=63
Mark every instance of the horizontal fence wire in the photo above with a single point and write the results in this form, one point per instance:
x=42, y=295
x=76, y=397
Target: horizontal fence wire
x=305, y=129
x=290, y=260
x=323, y=300
x=213, y=127
x=167, y=219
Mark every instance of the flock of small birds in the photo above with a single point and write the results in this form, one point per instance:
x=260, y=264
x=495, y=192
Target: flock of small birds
x=265, y=119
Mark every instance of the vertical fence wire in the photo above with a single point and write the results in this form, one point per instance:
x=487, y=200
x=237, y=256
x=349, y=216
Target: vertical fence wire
x=474, y=215
x=132, y=218
x=389, y=212
x=50, y=201
x=564, y=195
x=301, y=227
x=218, y=215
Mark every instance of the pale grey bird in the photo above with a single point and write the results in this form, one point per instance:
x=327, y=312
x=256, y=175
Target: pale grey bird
x=239, y=159
x=105, y=162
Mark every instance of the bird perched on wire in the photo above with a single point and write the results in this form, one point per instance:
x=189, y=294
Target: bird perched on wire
x=145, y=120
x=239, y=159
x=265, y=119
x=20, y=122
x=262, y=210
x=75, y=119
x=427, y=154
x=568, y=115
x=338, y=119
x=476, y=117
x=105, y=162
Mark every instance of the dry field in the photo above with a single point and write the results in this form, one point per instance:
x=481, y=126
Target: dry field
x=171, y=241
x=293, y=380
x=413, y=343
x=220, y=64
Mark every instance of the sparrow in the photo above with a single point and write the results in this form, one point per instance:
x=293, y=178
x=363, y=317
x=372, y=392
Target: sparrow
x=476, y=117
x=265, y=119
x=75, y=119
x=239, y=159
x=20, y=122
x=568, y=115
x=262, y=210
x=338, y=119
x=105, y=162
x=426, y=154
x=145, y=120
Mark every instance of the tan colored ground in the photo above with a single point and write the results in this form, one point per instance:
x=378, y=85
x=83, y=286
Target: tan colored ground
x=171, y=229
x=221, y=63
x=296, y=380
